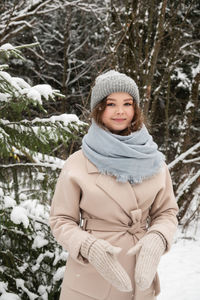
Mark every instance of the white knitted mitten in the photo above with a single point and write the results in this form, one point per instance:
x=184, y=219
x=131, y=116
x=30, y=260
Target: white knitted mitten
x=150, y=248
x=102, y=255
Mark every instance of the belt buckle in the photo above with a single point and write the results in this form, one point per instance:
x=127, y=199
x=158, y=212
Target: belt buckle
x=83, y=224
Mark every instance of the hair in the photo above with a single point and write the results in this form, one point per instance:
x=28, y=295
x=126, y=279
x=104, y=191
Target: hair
x=136, y=123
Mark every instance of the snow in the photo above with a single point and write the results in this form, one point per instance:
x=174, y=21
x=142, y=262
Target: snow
x=22, y=196
x=183, y=155
x=59, y=274
x=4, y=75
x=3, y=135
x=184, y=80
x=40, y=159
x=9, y=202
x=39, y=242
x=40, y=176
x=1, y=192
x=21, y=82
x=3, y=287
x=189, y=105
x=13, y=81
x=196, y=70
x=187, y=183
x=47, y=160
x=20, y=284
x=45, y=90
x=33, y=94
x=4, y=97
x=35, y=2
x=60, y=256
x=9, y=296
x=7, y=47
x=40, y=258
x=19, y=215
x=65, y=118
x=23, y=268
x=34, y=209
x=179, y=270
x=42, y=291
x=21, y=87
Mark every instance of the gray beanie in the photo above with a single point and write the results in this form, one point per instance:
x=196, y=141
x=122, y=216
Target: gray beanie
x=112, y=82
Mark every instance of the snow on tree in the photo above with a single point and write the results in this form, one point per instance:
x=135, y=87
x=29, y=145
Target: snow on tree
x=70, y=36
x=29, y=142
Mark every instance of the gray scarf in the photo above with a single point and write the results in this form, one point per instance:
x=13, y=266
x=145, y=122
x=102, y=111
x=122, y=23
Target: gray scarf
x=130, y=158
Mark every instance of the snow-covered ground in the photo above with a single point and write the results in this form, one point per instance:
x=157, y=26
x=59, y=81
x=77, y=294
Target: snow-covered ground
x=179, y=269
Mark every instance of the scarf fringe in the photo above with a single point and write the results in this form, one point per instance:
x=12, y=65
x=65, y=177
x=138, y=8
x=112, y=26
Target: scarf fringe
x=129, y=178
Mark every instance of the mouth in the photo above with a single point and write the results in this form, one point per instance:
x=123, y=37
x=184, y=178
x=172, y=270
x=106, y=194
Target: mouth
x=119, y=120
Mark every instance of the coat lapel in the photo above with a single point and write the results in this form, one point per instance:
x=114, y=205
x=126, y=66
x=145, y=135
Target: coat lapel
x=120, y=192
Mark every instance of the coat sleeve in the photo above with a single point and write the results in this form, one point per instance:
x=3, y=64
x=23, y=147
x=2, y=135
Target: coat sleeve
x=65, y=214
x=164, y=210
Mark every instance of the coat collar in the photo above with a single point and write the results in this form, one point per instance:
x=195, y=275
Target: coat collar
x=120, y=192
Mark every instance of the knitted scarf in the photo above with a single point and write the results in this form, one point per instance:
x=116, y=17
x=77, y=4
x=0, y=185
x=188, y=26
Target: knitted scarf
x=130, y=158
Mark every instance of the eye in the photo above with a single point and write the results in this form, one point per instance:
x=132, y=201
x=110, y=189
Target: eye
x=128, y=104
x=110, y=104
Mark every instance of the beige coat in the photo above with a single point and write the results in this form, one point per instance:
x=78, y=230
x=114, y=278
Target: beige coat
x=82, y=190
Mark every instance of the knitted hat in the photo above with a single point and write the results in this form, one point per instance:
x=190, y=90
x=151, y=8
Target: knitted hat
x=112, y=82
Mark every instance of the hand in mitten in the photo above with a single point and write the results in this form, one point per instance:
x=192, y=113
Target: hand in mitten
x=102, y=255
x=150, y=249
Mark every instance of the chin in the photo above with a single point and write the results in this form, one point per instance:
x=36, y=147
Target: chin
x=117, y=130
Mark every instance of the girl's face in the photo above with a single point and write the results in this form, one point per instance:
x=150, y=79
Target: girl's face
x=119, y=112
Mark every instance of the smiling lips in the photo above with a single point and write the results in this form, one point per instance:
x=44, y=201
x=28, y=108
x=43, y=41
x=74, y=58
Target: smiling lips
x=119, y=120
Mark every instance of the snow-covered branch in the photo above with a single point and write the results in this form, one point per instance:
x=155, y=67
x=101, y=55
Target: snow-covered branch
x=183, y=155
x=187, y=184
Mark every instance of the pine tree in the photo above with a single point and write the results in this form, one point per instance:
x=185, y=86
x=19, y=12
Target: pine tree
x=31, y=262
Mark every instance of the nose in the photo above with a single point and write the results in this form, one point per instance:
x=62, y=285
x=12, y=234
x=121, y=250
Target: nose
x=119, y=110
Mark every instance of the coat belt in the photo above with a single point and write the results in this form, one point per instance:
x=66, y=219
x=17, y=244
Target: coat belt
x=102, y=225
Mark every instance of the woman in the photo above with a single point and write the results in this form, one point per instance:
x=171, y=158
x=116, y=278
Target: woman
x=114, y=209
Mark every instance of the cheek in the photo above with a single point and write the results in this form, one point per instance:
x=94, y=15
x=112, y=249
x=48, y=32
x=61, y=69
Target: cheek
x=105, y=115
x=131, y=113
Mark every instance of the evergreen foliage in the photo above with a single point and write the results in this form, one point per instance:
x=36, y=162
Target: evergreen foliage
x=31, y=262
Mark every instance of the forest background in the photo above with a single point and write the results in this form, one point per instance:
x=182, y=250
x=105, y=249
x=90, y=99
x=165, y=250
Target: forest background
x=50, y=54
